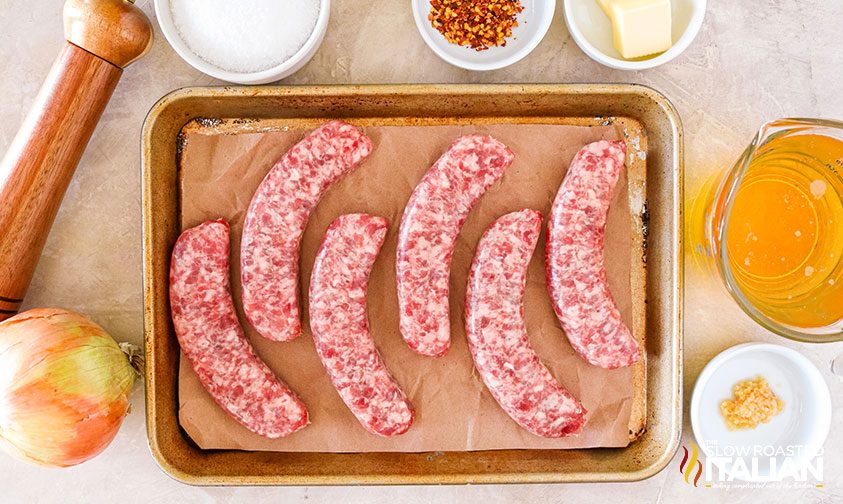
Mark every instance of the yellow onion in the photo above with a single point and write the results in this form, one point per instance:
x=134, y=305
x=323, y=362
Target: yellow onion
x=64, y=387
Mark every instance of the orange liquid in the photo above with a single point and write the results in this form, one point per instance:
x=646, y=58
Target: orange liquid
x=784, y=235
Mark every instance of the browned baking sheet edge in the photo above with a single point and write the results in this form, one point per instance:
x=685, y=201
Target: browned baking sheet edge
x=185, y=462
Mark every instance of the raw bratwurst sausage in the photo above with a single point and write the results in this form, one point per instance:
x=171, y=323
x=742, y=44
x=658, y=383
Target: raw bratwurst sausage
x=497, y=333
x=576, y=276
x=340, y=324
x=211, y=337
x=432, y=220
x=277, y=216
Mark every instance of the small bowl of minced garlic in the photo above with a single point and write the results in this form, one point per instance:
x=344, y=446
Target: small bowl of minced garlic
x=759, y=409
x=634, y=34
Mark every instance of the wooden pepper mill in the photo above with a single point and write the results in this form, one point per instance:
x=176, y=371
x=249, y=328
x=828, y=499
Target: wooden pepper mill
x=102, y=38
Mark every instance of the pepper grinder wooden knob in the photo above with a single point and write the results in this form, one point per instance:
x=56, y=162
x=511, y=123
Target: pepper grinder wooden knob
x=102, y=38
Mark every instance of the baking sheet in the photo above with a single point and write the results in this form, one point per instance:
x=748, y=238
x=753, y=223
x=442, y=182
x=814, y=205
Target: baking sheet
x=219, y=173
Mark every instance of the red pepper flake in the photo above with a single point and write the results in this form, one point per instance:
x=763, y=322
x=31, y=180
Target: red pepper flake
x=479, y=24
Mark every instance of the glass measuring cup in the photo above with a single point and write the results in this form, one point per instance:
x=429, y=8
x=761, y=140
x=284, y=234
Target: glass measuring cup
x=774, y=229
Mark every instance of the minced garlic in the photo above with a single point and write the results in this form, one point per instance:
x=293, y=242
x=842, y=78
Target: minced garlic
x=754, y=403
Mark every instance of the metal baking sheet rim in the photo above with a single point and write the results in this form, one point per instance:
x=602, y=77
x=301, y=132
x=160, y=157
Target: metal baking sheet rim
x=182, y=460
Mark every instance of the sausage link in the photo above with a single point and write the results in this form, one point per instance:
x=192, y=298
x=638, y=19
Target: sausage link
x=214, y=343
x=576, y=276
x=341, y=327
x=276, y=219
x=432, y=220
x=497, y=333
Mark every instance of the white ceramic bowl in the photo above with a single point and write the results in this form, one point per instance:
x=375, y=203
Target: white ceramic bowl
x=533, y=23
x=284, y=69
x=804, y=421
x=592, y=31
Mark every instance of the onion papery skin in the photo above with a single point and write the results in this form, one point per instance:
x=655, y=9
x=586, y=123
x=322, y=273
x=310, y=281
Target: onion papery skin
x=64, y=387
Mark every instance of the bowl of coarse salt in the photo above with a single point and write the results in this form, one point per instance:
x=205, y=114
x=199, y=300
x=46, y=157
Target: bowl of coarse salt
x=247, y=42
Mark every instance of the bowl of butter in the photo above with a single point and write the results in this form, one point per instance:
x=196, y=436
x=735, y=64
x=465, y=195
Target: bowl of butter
x=633, y=34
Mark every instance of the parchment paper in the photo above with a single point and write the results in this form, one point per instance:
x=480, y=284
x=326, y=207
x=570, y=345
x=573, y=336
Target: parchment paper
x=454, y=411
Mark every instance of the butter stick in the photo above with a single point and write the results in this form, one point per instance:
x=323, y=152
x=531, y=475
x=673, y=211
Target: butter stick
x=640, y=27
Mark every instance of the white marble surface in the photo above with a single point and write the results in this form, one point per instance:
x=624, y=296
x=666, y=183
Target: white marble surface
x=754, y=60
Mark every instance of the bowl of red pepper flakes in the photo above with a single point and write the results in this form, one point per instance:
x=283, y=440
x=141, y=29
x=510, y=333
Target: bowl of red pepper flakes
x=483, y=34
x=479, y=24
